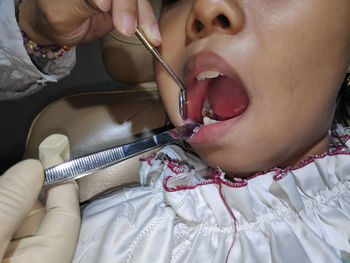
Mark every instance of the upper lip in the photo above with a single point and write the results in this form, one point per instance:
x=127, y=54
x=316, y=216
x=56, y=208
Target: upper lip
x=206, y=61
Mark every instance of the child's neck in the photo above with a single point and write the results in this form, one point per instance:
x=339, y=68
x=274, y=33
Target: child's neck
x=317, y=148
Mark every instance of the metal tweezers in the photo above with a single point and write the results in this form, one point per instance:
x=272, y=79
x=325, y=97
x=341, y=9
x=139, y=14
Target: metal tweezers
x=82, y=166
x=182, y=97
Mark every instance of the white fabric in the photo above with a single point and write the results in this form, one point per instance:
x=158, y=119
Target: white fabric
x=18, y=75
x=298, y=214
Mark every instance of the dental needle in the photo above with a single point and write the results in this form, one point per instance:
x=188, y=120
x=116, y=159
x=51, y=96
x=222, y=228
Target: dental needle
x=182, y=99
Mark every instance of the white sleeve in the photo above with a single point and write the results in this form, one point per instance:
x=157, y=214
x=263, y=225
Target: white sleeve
x=18, y=75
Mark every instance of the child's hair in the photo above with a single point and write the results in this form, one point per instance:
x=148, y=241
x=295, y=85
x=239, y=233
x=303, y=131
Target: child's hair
x=342, y=111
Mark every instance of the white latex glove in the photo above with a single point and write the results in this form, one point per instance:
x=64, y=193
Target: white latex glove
x=30, y=232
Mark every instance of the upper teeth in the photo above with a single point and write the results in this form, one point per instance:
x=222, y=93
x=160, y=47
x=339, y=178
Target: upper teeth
x=211, y=74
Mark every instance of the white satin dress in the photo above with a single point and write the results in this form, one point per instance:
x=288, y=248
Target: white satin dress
x=185, y=212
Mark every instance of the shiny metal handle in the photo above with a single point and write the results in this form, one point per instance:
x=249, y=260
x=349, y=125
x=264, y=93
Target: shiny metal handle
x=182, y=97
x=82, y=166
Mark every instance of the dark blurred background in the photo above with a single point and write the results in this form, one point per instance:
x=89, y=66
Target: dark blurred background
x=16, y=116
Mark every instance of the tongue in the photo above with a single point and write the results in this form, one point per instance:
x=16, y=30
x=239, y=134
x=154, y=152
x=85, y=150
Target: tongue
x=227, y=98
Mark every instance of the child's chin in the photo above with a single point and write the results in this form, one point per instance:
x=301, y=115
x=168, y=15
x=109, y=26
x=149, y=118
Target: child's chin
x=235, y=163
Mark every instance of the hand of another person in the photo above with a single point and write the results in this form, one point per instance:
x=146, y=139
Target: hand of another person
x=30, y=232
x=70, y=22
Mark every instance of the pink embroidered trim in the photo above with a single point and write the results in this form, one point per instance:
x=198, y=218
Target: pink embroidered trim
x=279, y=172
x=234, y=222
x=334, y=135
x=148, y=159
x=282, y=172
x=216, y=179
x=177, y=168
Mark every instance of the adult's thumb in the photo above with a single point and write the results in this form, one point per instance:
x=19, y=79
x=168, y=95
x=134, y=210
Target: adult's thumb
x=19, y=189
x=88, y=8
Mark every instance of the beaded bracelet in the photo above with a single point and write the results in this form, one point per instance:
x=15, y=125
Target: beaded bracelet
x=33, y=49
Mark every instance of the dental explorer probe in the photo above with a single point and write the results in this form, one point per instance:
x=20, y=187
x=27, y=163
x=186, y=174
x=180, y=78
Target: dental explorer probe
x=182, y=97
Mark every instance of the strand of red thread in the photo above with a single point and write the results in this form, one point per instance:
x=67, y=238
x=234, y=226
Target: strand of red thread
x=234, y=220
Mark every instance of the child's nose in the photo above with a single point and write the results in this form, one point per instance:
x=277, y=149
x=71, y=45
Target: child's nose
x=214, y=16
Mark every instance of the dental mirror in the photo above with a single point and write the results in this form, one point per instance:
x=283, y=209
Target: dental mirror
x=182, y=96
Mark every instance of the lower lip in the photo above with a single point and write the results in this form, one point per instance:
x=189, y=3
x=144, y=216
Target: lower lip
x=212, y=133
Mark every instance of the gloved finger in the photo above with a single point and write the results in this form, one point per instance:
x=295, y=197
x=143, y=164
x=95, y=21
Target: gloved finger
x=23, y=242
x=32, y=221
x=19, y=189
x=62, y=218
x=148, y=22
x=124, y=15
x=54, y=150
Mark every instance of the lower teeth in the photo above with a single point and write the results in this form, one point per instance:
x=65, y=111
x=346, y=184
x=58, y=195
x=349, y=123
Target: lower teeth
x=207, y=120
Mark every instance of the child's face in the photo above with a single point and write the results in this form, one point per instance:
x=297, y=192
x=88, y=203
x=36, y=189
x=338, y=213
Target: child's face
x=283, y=63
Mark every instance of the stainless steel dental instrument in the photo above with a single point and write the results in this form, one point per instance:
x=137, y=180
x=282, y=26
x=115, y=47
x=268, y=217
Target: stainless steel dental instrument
x=182, y=98
x=80, y=167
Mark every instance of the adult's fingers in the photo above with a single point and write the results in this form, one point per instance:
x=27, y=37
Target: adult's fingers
x=31, y=222
x=87, y=8
x=62, y=218
x=127, y=14
x=148, y=22
x=104, y=5
x=19, y=189
x=124, y=14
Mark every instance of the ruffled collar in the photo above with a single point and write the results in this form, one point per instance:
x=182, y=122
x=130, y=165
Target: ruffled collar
x=187, y=182
x=339, y=145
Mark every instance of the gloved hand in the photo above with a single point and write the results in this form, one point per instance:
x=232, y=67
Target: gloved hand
x=30, y=232
x=70, y=22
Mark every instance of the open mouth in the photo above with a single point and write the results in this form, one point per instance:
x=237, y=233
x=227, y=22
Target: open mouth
x=214, y=91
